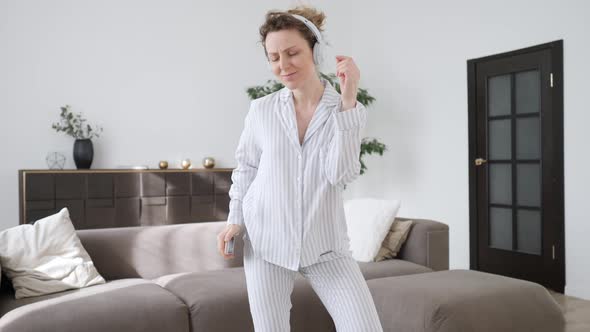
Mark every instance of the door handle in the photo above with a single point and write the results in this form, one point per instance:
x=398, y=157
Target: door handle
x=480, y=161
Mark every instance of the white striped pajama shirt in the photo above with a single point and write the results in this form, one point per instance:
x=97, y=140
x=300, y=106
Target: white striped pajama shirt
x=287, y=196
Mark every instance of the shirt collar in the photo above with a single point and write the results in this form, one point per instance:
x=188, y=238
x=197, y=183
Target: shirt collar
x=330, y=97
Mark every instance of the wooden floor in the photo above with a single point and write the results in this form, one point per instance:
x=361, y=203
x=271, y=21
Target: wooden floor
x=577, y=312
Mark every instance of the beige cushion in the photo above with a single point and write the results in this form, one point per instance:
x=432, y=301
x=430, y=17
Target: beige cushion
x=398, y=233
x=46, y=257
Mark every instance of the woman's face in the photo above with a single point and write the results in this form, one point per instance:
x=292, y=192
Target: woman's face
x=290, y=57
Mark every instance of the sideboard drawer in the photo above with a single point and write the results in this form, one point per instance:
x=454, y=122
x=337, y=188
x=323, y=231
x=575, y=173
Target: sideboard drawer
x=123, y=198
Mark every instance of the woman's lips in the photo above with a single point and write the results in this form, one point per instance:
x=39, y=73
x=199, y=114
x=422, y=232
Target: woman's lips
x=290, y=76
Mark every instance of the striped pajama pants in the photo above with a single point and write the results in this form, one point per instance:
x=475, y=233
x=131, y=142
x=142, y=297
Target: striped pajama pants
x=337, y=281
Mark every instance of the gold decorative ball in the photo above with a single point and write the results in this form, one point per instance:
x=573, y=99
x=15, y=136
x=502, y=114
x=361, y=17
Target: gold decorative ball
x=208, y=162
x=186, y=164
x=163, y=164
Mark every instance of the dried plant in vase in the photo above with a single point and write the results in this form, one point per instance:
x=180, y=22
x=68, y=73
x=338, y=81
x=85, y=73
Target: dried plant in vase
x=73, y=124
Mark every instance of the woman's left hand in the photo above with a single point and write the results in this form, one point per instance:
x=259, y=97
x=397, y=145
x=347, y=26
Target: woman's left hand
x=349, y=76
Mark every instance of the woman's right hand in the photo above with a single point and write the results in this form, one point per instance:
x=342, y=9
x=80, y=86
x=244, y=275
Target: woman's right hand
x=225, y=235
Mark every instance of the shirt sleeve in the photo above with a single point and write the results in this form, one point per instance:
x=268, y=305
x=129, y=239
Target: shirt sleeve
x=343, y=156
x=247, y=156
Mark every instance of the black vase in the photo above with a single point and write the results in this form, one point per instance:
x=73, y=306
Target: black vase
x=83, y=153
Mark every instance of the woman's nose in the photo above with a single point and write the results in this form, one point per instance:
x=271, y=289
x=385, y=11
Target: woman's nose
x=283, y=63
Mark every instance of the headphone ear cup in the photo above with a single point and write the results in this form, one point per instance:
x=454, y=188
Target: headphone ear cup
x=318, y=53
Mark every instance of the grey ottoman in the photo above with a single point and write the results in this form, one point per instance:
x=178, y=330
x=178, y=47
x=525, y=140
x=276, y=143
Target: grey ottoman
x=464, y=300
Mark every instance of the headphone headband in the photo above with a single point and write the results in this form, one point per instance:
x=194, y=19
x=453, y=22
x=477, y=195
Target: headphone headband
x=311, y=27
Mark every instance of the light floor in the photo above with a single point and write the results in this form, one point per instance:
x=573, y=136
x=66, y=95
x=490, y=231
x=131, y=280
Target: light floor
x=577, y=312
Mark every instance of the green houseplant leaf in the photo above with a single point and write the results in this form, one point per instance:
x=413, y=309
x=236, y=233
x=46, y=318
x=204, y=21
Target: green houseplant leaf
x=73, y=125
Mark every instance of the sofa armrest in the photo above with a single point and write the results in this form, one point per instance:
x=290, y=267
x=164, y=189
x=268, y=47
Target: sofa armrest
x=153, y=251
x=427, y=244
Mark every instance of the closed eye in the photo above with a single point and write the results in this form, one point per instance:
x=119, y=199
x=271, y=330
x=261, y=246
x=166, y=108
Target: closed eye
x=276, y=59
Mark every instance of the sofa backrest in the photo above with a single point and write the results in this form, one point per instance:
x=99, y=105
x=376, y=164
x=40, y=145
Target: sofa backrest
x=152, y=251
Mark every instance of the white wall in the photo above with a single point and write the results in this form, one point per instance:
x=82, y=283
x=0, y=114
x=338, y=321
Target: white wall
x=167, y=80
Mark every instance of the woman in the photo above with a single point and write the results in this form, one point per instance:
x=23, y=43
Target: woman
x=299, y=147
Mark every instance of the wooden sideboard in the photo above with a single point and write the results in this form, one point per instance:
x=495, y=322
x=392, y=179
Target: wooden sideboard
x=101, y=198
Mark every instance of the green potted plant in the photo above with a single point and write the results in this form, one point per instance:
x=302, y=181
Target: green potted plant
x=73, y=124
x=368, y=145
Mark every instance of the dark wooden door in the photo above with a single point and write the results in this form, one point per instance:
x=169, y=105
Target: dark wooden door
x=516, y=164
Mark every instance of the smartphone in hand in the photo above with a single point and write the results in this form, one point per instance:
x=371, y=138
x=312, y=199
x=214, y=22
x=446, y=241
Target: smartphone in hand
x=229, y=246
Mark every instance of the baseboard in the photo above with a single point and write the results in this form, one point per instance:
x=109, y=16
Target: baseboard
x=579, y=292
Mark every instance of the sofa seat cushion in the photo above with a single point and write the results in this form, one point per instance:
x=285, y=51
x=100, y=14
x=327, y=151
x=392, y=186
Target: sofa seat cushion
x=390, y=268
x=213, y=296
x=118, y=305
x=464, y=300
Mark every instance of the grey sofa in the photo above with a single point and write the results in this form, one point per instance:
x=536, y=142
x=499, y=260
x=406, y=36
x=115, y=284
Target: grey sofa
x=171, y=278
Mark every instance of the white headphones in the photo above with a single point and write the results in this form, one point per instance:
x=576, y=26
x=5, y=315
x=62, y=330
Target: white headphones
x=318, y=47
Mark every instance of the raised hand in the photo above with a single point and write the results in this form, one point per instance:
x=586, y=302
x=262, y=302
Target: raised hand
x=349, y=76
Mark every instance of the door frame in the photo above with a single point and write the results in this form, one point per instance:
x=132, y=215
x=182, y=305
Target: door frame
x=556, y=278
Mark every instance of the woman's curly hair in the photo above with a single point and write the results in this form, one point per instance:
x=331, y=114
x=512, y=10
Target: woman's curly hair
x=282, y=20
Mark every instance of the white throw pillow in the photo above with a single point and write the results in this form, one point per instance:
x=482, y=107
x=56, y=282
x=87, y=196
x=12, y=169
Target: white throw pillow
x=368, y=221
x=46, y=257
